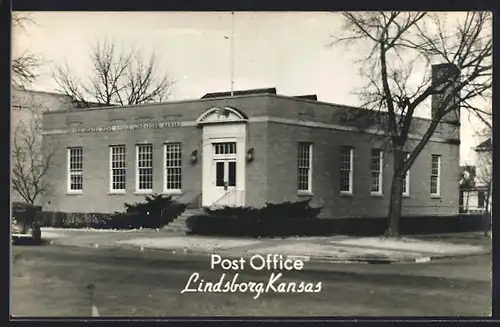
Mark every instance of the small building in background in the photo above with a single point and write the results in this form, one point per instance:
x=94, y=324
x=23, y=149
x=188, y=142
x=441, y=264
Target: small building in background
x=476, y=185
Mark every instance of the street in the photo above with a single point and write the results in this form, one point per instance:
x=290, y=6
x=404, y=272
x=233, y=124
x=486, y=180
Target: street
x=52, y=280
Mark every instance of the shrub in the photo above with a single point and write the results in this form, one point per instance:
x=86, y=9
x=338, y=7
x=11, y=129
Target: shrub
x=284, y=219
x=26, y=214
x=157, y=211
x=286, y=210
x=269, y=222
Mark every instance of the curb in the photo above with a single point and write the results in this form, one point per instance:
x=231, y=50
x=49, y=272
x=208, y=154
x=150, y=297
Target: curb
x=304, y=258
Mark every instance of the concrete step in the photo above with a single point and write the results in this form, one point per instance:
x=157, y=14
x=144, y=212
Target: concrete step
x=179, y=223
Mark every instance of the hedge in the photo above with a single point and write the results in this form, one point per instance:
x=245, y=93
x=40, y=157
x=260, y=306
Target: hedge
x=284, y=219
x=156, y=212
x=248, y=222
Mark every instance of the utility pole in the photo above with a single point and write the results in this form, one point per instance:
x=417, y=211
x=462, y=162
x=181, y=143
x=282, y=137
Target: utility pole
x=232, y=53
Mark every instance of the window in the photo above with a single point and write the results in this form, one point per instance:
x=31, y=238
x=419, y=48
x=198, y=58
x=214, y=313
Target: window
x=304, y=164
x=173, y=167
x=346, y=167
x=144, y=173
x=75, y=170
x=435, y=174
x=376, y=171
x=225, y=148
x=480, y=199
x=406, y=180
x=118, y=168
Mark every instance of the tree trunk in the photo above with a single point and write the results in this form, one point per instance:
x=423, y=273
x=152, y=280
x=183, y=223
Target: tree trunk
x=467, y=199
x=396, y=196
x=488, y=217
x=488, y=196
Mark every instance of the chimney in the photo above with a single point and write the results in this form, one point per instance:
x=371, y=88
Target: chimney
x=451, y=71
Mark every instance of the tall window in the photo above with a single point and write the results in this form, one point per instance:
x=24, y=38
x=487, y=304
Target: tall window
x=376, y=171
x=406, y=180
x=435, y=174
x=304, y=164
x=118, y=168
x=346, y=169
x=481, y=199
x=75, y=170
x=173, y=167
x=144, y=173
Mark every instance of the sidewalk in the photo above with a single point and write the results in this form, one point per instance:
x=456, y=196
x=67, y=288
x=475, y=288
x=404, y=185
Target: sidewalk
x=319, y=249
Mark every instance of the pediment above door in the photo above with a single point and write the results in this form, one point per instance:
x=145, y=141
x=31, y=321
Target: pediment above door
x=217, y=115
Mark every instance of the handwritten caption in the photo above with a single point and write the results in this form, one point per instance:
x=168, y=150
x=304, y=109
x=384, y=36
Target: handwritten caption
x=274, y=283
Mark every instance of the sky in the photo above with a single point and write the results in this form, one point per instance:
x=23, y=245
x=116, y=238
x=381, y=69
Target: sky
x=286, y=50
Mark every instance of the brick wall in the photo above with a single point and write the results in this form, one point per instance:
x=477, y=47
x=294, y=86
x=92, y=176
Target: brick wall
x=95, y=197
x=271, y=176
x=282, y=173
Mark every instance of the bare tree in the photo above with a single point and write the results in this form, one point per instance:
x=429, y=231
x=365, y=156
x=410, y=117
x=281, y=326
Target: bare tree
x=398, y=44
x=24, y=65
x=117, y=77
x=30, y=159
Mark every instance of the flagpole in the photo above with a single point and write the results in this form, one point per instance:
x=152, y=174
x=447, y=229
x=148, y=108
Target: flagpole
x=232, y=53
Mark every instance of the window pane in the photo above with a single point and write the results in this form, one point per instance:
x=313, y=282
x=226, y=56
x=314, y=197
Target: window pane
x=225, y=148
x=480, y=199
x=304, y=166
x=173, y=164
x=145, y=166
x=232, y=173
x=345, y=169
x=118, y=170
x=75, y=165
x=219, y=173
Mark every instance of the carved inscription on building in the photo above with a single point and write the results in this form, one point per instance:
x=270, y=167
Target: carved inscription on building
x=124, y=127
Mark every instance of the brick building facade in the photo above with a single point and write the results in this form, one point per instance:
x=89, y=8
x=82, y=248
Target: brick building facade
x=243, y=150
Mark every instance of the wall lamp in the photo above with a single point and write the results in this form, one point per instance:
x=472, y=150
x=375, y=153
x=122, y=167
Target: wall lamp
x=194, y=156
x=250, y=155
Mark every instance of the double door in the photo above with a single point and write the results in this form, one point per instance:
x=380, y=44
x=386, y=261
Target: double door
x=224, y=180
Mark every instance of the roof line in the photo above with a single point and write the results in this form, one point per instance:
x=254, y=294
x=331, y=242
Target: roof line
x=293, y=98
x=38, y=91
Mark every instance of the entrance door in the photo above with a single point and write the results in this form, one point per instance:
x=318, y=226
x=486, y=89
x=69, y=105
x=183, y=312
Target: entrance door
x=224, y=181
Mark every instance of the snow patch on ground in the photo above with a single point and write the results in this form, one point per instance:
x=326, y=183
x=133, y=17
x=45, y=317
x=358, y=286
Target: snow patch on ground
x=51, y=235
x=91, y=230
x=408, y=244
x=324, y=250
x=198, y=243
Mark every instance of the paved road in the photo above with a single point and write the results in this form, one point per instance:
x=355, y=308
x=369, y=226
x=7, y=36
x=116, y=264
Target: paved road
x=52, y=280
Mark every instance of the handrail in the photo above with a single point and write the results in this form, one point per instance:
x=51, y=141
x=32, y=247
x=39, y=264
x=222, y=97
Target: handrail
x=227, y=193
x=220, y=198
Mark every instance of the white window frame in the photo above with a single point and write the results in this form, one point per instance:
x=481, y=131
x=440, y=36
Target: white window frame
x=351, y=169
x=111, y=169
x=406, y=192
x=165, y=168
x=71, y=173
x=309, y=146
x=438, y=176
x=380, y=190
x=137, y=189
